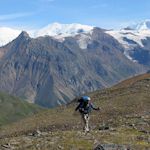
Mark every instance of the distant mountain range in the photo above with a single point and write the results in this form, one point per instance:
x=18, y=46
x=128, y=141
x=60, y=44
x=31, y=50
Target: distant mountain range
x=56, y=30
x=64, y=30
x=144, y=25
x=136, y=42
x=51, y=66
x=131, y=37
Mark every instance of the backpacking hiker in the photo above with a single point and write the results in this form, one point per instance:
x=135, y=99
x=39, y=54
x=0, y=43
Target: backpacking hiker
x=85, y=107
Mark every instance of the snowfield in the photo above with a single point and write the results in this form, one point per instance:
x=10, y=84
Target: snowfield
x=129, y=37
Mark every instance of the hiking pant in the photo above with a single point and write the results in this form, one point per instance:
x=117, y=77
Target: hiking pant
x=85, y=118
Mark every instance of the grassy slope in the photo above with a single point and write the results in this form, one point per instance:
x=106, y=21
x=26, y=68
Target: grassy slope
x=13, y=109
x=124, y=108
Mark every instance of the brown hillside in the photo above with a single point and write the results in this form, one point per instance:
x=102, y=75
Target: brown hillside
x=125, y=111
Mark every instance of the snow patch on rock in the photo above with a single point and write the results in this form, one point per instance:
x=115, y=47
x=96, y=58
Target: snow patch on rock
x=83, y=40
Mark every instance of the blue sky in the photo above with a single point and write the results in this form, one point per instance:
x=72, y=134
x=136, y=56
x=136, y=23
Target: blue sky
x=103, y=13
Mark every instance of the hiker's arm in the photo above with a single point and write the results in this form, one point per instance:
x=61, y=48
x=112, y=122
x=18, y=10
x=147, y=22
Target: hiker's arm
x=95, y=108
x=77, y=107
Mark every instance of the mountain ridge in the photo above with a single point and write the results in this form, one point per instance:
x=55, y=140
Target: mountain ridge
x=143, y=25
x=56, y=30
x=48, y=72
x=133, y=38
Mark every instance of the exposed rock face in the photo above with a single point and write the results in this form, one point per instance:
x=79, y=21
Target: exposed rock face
x=49, y=73
x=142, y=54
x=136, y=44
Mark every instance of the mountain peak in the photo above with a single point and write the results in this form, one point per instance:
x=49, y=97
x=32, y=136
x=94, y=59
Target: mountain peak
x=56, y=29
x=144, y=25
x=24, y=34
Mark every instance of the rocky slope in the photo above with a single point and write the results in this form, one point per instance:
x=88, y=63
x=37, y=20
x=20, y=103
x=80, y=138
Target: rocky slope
x=50, y=72
x=122, y=123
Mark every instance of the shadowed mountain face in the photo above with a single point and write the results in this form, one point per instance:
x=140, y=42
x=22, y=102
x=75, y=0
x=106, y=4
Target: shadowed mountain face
x=136, y=44
x=142, y=54
x=49, y=72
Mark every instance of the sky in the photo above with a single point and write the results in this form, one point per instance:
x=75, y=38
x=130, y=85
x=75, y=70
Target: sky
x=31, y=14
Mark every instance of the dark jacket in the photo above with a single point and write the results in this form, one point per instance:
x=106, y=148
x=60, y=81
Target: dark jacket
x=85, y=107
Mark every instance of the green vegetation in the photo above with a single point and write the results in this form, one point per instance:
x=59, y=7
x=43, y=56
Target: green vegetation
x=124, y=110
x=13, y=109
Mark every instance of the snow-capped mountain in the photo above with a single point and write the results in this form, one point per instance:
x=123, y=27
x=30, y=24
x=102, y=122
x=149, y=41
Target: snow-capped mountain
x=135, y=40
x=135, y=36
x=49, y=73
x=134, y=33
x=131, y=37
x=7, y=35
x=144, y=25
x=57, y=29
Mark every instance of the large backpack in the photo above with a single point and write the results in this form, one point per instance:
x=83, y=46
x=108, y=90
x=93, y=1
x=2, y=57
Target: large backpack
x=84, y=105
x=84, y=99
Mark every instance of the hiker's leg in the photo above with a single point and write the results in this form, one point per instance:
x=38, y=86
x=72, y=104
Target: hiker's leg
x=83, y=120
x=86, y=116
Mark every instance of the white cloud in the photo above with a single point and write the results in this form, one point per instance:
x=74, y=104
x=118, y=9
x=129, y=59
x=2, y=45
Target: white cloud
x=14, y=15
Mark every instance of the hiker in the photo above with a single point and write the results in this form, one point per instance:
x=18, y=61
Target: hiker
x=85, y=107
